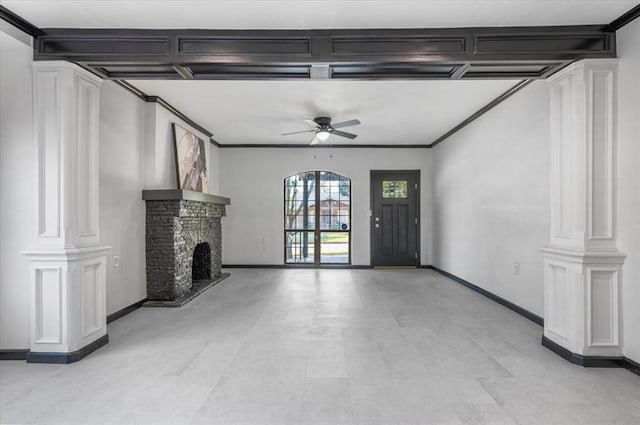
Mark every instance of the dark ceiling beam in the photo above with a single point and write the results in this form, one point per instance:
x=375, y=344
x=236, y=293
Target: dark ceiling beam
x=623, y=20
x=426, y=60
x=458, y=73
x=432, y=53
x=186, y=73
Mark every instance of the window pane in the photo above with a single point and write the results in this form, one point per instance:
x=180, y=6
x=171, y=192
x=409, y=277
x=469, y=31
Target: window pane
x=299, y=198
x=394, y=189
x=293, y=222
x=299, y=247
x=345, y=189
x=334, y=247
x=335, y=221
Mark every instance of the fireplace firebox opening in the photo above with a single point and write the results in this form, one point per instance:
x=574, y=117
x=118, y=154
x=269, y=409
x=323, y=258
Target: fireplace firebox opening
x=201, y=267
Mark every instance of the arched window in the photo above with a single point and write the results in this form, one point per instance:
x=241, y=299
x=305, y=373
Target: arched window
x=317, y=218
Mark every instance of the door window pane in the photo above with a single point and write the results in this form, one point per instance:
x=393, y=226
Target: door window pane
x=334, y=247
x=394, y=189
x=300, y=247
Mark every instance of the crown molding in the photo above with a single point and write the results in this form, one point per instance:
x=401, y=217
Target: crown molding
x=625, y=19
x=486, y=108
x=20, y=23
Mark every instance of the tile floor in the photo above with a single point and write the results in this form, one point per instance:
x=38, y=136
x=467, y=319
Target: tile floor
x=331, y=347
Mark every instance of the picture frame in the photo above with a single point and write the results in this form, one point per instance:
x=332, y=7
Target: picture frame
x=191, y=160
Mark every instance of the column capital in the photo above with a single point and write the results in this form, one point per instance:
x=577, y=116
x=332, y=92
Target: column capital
x=59, y=66
x=582, y=66
x=584, y=256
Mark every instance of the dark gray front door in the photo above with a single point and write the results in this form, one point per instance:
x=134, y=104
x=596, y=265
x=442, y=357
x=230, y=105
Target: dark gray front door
x=395, y=219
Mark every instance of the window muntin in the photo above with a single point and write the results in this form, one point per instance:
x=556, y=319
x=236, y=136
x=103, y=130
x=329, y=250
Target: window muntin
x=395, y=189
x=317, y=218
x=298, y=250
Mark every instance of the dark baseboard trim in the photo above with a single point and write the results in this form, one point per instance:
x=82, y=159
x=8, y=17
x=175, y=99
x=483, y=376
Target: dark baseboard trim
x=631, y=366
x=254, y=266
x=66, y=358
x=307, y=266
x=20, y=354
x=120, y=313
x=584, y=361
x=294, y=266
x=590, y=361
x=511, y=306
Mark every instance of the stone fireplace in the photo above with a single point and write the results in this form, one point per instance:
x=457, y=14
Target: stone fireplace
x=183, y=244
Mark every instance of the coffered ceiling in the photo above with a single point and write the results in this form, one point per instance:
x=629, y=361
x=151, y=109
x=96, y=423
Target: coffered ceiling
x=256, y=111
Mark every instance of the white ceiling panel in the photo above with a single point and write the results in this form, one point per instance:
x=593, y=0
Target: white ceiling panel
x=391, y=112
x=317, y=14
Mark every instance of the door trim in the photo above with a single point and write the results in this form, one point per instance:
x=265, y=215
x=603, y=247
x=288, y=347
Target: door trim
x=372, y=173
x=317, y=231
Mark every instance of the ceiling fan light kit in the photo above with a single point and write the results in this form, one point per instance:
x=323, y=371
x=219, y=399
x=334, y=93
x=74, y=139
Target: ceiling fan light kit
x=323, y=135
x=323, y=129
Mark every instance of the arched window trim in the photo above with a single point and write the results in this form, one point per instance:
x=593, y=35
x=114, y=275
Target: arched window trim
x=317, y=236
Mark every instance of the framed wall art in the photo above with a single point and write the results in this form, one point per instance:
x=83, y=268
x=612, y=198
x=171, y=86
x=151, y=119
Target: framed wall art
x=191, y=160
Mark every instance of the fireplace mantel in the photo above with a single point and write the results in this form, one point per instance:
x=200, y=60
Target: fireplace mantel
x=183, y=195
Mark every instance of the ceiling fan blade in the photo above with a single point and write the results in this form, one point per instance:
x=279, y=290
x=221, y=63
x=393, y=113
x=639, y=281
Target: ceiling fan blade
x=297, y=132
x=345, y=123
x=344, y=134
x=311, y=122
x=315, y=141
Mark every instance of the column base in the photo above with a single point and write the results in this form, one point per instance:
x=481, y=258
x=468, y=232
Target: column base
x=66, y=358
x=582, y=320
x=579, y=359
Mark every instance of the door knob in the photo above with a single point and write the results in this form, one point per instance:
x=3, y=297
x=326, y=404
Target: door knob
x=377, y=225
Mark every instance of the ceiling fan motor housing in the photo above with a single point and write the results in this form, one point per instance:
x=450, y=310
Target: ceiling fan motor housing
x=323, y=121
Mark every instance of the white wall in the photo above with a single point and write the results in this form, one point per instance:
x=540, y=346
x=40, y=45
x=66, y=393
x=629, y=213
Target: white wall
x=491, y=198
x=213, y=167
x=161, y=152
x=122, y=210
x=252, y=231
x=628, y=156
x=17, y=171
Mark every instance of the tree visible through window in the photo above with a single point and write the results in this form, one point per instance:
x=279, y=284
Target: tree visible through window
x=317, y=218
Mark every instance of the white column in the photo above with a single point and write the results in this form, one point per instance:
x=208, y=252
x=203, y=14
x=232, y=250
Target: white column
x=583, y=268
x=67, y=274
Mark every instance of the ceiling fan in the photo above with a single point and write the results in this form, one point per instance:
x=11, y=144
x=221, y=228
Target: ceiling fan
x=323, y=129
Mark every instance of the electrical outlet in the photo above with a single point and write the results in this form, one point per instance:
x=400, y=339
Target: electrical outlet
x=516, y=268
x=116, y=261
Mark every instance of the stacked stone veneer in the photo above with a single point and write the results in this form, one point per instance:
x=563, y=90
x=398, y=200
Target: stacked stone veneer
x=174, y=228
